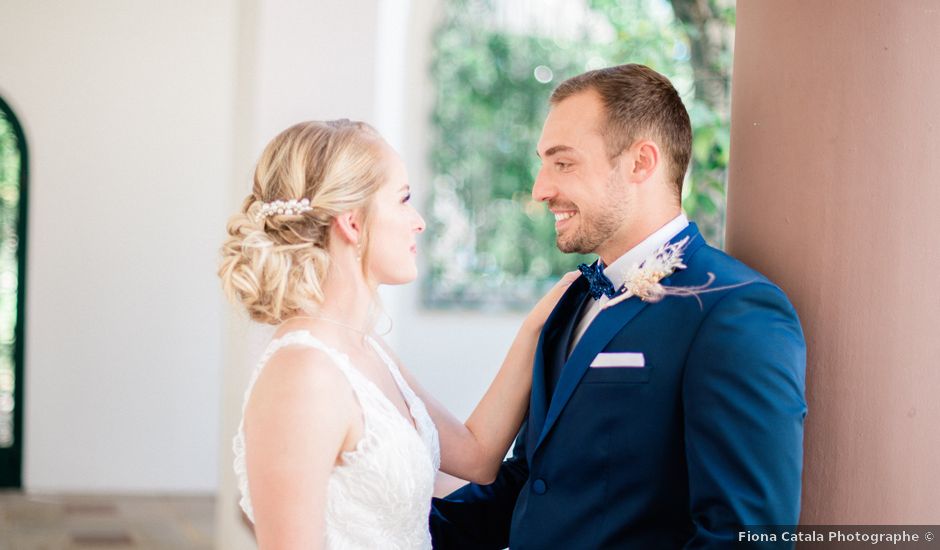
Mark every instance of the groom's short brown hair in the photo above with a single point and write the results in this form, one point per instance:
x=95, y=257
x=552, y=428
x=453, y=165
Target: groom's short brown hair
x=638, y=103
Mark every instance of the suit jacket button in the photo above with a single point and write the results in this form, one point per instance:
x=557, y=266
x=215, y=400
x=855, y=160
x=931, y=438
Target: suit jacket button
x=539, y=487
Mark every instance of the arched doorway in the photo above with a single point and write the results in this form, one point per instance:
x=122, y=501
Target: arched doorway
x=13, y=195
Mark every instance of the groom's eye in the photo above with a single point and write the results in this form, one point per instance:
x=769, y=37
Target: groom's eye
x=562, y=165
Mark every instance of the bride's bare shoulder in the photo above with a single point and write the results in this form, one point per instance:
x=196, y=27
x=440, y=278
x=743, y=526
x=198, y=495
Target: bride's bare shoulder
x=302, y=380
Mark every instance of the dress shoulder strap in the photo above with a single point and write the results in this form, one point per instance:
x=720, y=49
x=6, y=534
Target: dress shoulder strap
x=387, y=359
x=400, y=381
x=302, y=338
x=365, y=390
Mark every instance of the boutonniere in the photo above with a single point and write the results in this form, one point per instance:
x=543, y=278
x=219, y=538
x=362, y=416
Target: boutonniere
x=643, y=279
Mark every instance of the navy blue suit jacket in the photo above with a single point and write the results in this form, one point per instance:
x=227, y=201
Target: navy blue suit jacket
x=705, y=439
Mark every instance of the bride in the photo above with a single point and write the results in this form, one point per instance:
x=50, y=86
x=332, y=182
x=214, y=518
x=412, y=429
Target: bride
x=339, y=445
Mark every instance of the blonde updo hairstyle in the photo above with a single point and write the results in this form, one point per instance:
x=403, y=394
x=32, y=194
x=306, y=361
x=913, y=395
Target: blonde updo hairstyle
x=275, y=265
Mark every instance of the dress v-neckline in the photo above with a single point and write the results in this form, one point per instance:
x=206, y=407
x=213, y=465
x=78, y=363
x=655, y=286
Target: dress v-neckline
x=387, y=361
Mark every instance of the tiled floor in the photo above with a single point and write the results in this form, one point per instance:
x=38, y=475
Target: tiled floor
x=52, y=522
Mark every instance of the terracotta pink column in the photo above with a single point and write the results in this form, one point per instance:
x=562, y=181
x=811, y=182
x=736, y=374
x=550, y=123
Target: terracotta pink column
x=834, y=194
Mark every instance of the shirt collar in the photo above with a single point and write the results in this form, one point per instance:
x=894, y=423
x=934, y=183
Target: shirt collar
x=618, y=268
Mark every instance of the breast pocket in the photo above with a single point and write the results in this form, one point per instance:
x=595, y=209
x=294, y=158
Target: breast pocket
x=627, y=367
x=610, y=375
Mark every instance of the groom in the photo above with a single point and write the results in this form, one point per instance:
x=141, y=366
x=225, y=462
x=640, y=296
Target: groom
x=652, y=424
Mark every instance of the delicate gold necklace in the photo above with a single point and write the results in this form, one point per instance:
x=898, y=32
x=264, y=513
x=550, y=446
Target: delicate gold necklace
x=367, y=334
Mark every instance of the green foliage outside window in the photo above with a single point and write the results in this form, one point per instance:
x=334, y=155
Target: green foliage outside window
x=491, y=246
x=9, y=270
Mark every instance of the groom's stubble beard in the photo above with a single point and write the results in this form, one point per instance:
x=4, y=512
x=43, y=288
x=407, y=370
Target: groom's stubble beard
x=593, y=230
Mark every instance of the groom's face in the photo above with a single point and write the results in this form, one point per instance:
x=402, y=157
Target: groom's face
x=581, y=185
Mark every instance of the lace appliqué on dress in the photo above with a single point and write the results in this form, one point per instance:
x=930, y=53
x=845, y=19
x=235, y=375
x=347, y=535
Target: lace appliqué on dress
x=379, y=494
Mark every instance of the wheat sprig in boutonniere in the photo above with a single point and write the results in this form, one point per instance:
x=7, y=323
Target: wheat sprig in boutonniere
x=643, y=279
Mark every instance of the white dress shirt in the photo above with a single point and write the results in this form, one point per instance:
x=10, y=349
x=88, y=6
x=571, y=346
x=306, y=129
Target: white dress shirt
x=616, y=270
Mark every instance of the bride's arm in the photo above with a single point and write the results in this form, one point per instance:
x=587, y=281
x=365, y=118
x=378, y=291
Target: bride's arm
x=473, y=450
x=296, y=422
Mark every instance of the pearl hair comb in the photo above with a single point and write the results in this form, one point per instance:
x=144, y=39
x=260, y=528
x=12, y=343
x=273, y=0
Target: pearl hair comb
x=291, y=207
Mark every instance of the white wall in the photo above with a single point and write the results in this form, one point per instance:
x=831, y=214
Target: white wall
x=127, y=109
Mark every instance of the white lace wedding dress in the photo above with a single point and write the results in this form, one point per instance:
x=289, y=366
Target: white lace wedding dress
x=379, y=494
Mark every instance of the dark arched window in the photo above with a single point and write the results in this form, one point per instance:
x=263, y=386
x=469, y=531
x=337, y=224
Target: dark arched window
x=13, y=169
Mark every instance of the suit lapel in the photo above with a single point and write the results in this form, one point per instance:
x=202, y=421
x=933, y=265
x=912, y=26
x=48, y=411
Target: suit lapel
x=604, y=327
x=555, y=335
x=607, y=324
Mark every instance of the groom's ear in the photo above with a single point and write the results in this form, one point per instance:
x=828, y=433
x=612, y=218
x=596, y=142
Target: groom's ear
x=642, y=159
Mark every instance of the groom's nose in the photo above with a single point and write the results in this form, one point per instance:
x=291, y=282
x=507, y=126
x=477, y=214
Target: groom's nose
x=542, y=189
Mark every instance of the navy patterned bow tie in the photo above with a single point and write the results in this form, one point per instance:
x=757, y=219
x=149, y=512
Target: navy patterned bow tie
x=600, y=284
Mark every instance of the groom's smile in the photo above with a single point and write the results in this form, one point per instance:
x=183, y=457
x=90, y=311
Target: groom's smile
x=562, y=217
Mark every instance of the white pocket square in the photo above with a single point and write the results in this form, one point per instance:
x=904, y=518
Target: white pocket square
x=627, y=359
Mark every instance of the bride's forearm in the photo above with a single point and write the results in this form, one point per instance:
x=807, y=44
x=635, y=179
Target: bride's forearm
x=473, y=450
x=495, y=421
